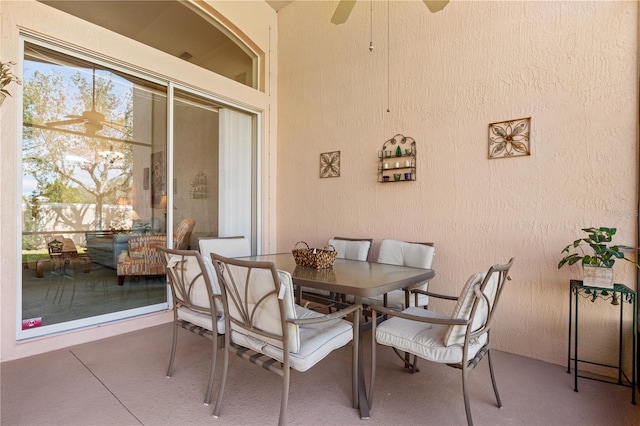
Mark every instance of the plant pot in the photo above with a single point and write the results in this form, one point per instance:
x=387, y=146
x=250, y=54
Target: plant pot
x=594, y=276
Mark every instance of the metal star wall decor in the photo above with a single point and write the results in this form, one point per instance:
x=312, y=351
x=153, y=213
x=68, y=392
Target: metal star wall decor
x=330, y=164
x=509, y=138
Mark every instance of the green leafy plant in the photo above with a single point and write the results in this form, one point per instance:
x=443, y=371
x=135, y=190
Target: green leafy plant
x=604, y=255
x=6, y=77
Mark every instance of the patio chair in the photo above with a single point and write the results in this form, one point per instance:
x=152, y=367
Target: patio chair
x=346, y=248
x=417, y=255
x=459, y=340
x=264, y=326
x=193, y=288
x=226, y=246
x=351, y=248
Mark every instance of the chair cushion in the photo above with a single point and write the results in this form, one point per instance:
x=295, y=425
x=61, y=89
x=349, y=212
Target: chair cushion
x=423, y=339
x=213, y=278
x=415, y=255
x=354, y=250
x=227, y=247
x=462, y=310
x=267, y=312
x=316, y=341
x=407, y=254
x=200, y=319
x=198, y=295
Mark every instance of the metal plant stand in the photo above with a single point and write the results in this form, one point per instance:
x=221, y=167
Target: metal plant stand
x=618, y=295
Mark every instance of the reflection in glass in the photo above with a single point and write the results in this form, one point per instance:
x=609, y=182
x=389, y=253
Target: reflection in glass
x=89, y=136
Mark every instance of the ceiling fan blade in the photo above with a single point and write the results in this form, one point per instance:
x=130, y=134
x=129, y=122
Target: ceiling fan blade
x=115, y=126
x=65, y=122
x=343, y=11
x=435, y=6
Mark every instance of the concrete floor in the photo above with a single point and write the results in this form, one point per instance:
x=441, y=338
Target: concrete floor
x=122, y=381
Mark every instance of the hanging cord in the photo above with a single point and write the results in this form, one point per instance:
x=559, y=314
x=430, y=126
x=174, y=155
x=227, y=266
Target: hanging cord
x=371, y=26
x=388, y=62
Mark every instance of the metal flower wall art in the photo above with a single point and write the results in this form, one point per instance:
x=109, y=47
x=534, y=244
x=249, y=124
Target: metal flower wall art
x=509, y=138
x=330, y=164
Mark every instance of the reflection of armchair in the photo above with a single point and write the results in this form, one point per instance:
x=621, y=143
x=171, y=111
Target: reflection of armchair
x=143, y=257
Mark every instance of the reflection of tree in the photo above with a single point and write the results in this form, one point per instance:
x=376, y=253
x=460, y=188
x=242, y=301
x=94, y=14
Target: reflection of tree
x=67, y=168
x=33, y=220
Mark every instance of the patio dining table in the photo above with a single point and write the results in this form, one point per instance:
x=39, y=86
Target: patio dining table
x=352, y=277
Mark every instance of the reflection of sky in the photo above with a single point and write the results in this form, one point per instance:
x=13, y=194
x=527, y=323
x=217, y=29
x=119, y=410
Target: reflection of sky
x=29, y=185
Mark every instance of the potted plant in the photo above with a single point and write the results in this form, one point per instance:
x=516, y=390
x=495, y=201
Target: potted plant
x=598, y=266
x=6, y=77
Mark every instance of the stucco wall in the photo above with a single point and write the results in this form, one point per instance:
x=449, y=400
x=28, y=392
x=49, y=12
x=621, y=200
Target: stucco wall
x=255, y=19
x=571, y=66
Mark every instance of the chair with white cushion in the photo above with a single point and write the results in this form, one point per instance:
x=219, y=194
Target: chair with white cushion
x=194, y=286
x=417, y=255
x=225, y=246
x=459, y=340
x=351, y=248
x=265, y=326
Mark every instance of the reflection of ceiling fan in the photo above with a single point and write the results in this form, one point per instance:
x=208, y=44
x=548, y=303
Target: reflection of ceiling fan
x=93, y=120
x=343, y=10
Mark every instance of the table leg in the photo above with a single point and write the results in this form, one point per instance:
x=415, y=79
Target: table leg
x=575, y=346
x=620, y=344
x=87, y=264
x=569, y=341
x=634, y=353
x=363, y=403
x=40, y=267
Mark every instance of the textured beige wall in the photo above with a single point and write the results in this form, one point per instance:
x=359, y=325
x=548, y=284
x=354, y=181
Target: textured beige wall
x=255, y=19
x=571, y=66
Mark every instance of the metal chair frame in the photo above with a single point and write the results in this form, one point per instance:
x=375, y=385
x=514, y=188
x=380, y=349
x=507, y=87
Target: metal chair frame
x=466, y=365
x=235, y=294
x=181, y=290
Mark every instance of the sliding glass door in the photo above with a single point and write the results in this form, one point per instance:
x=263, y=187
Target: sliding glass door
x=104, y=180
x=213, y=163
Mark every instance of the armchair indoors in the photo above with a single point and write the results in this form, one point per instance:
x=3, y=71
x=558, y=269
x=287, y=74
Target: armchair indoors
x=143, y=257
x=459, y=340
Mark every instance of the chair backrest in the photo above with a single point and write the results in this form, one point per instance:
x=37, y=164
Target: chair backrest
x=257, y=300
x=182, y=235
x=190, y=283
x=225, y=246
x=416, y=255
x=351, y=248
x=477, y=301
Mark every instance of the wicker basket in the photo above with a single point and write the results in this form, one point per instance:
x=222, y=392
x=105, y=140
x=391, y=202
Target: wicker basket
x=314, y=257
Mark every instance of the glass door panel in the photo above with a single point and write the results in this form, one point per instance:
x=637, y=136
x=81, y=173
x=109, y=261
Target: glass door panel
x=92, y=182
x=213, y=165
